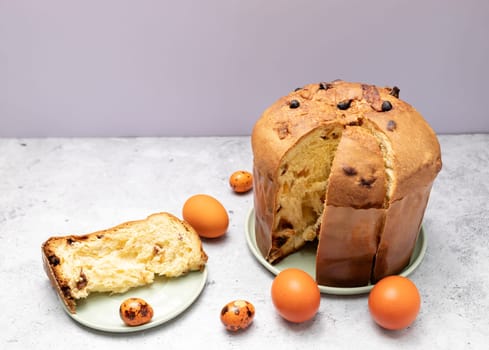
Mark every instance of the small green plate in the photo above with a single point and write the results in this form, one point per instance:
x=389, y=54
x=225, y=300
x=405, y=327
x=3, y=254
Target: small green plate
x=168, y=297
x=305, y=259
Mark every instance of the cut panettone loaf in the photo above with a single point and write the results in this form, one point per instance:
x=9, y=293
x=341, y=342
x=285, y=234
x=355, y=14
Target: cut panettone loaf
x=348, y=165
x=125, y=256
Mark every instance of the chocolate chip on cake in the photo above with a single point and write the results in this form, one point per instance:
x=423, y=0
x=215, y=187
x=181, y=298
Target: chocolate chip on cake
x=53, y=260
x=391, y=125
x=344, y=105
x=395, y=91
x=294, y=104
x=386, y=106
x=367, y=182
x=349, y=171
x=325, y=86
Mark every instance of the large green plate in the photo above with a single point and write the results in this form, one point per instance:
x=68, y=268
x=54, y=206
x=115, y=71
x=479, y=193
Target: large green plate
x=305, y=259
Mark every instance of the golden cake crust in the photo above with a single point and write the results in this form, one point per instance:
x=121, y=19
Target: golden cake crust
x=418, y=155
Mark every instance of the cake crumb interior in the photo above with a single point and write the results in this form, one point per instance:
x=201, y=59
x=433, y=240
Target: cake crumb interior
x=303, y=179
x=132, y=257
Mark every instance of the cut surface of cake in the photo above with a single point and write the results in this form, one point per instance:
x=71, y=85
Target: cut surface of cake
x=129, y=255
x=348, y=165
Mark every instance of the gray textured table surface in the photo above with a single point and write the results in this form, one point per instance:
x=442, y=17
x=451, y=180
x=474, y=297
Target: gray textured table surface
x=61, y=186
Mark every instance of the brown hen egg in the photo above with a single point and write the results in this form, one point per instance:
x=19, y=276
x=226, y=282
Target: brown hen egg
x=237, y=315
x=206, y=215
x=135, y=312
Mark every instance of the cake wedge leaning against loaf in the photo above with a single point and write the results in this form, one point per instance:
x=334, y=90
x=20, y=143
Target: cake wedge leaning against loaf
x=128, y=255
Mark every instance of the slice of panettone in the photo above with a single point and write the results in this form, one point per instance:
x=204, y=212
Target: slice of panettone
x=128, y=255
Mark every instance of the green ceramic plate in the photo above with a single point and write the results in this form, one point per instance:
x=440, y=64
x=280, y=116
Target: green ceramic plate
x=305, y=259
x=169, y=297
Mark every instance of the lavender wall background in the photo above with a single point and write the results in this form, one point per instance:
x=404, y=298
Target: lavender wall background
x=210, y=67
